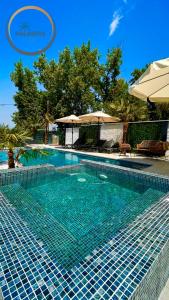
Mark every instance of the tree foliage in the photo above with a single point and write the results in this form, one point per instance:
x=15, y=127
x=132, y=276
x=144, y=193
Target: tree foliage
x=14, y=142
x=135, y=75
x=72, y=82
x=9, y=139
x=27, y=98
x=111, y=71
x=125, y=106
x=76, y=83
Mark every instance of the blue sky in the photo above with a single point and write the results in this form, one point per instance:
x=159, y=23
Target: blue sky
x=140, y=27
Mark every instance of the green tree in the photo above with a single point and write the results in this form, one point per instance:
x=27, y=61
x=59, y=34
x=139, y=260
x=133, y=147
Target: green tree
x=72, y=82
x=127, y=110
x=135, y=75
x=125, y=106
x=162, y=111
x=27, y=98
x=75, y=84
x=111, y=71
x=11, y=139
x=48, y=119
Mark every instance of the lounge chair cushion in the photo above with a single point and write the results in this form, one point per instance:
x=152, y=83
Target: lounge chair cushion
x=89, y=142
x=109, y=144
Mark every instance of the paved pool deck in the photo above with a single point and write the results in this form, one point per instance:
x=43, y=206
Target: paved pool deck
x=165, y=292
x=157, y=166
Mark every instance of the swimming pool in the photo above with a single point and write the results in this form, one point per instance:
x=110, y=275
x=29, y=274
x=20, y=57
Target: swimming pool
x=90, y=231
x=62, y=158
x=75, y=211
x=3, y=156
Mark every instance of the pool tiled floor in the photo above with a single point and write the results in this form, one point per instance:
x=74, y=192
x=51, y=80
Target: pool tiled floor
x=113, y=271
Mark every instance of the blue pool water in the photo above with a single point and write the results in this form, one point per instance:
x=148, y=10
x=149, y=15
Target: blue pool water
x=3, y=156
x=61, y=158
x=75, y=211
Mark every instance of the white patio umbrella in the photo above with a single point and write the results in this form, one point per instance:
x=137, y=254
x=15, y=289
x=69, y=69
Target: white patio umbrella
x=153, y=85
x=72, y=119
x=98, y=117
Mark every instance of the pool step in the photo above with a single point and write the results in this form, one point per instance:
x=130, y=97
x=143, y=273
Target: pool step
x=97, y=236
x=54, y=235
x=150, y=196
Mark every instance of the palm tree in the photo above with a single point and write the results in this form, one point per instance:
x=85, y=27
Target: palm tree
x=48, y=119
x=10, y=139
x=129, y=111
x=34, y=153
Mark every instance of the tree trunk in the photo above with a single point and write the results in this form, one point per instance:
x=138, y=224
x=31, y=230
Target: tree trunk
x=11, y=161
x=46, y=133
x=125, y=130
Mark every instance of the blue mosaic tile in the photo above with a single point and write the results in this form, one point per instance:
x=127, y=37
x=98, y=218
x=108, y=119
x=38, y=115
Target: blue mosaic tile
x=112, y=271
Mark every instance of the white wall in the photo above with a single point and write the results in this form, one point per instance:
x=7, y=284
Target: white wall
x=68, y=136
x=168, y=133
x=112, y=131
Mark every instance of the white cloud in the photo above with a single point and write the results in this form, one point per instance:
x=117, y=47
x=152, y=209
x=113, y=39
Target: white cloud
x=115, y=22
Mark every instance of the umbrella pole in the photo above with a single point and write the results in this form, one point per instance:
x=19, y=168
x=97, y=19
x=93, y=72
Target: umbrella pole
x=72, y=134
x=98, y=130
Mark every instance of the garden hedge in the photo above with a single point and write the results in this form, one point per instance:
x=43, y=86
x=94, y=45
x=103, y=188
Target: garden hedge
x=88, y=132
x=137, y=132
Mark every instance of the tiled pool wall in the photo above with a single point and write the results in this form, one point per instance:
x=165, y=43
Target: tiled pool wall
x=155, y=279
x=25, y=173
x=134, y=264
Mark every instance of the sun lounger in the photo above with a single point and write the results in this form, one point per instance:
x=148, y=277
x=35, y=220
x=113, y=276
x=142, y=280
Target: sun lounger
x=107, y=146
